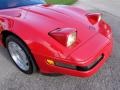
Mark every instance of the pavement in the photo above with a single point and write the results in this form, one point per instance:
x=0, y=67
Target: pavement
x=108, y=78
x=111, y=6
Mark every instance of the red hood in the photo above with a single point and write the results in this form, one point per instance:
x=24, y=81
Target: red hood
x=60, y=17
x=47, y=18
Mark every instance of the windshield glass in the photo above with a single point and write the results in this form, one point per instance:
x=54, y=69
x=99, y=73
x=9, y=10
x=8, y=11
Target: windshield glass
x=5, y=4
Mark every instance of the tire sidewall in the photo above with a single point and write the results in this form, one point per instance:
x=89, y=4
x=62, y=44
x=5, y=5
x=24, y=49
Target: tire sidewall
x=21, y=44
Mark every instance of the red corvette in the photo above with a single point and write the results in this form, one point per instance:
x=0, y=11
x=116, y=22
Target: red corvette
x=54, y=38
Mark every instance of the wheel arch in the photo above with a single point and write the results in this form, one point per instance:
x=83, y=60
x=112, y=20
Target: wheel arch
x=6, y=33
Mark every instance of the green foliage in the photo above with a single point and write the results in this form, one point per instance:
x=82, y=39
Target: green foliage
x=67, y=2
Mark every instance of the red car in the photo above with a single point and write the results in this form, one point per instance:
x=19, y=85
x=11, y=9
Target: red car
x=54, y=38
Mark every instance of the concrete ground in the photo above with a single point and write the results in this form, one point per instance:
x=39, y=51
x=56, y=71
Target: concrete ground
x=108, y=78
x=111, y=6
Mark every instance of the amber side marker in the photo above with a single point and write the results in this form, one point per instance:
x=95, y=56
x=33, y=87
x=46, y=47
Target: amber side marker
x=50, y=62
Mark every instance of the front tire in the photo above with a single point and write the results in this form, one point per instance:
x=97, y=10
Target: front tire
x=20, y=54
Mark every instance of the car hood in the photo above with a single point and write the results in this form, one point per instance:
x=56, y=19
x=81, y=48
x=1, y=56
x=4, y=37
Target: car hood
x=55, y=16
x=47, y=18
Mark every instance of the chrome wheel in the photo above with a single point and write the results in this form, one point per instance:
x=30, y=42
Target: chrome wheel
x=18, y=55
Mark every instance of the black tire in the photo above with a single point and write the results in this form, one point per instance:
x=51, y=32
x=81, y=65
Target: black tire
x=32, y=65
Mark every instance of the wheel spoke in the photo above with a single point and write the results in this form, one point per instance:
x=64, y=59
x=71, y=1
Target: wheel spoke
x=18, y=55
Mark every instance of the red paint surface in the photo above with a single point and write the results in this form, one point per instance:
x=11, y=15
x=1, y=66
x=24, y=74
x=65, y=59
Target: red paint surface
x=33, y=23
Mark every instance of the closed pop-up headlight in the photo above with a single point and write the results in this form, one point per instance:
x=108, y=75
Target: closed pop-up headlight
x=94, y=18
x=65, y=36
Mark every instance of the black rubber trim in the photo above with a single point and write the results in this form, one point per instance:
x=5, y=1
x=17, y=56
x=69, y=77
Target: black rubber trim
x=79, y=68
x=87, y=68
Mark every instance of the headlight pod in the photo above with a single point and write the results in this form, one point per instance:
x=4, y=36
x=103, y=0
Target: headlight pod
x=94, y=18
x=65, y=36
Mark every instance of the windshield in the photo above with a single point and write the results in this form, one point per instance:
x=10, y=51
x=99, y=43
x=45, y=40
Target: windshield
x=5, y=4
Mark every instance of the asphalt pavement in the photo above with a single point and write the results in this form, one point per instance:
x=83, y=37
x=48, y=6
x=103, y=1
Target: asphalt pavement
x=108, y=78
